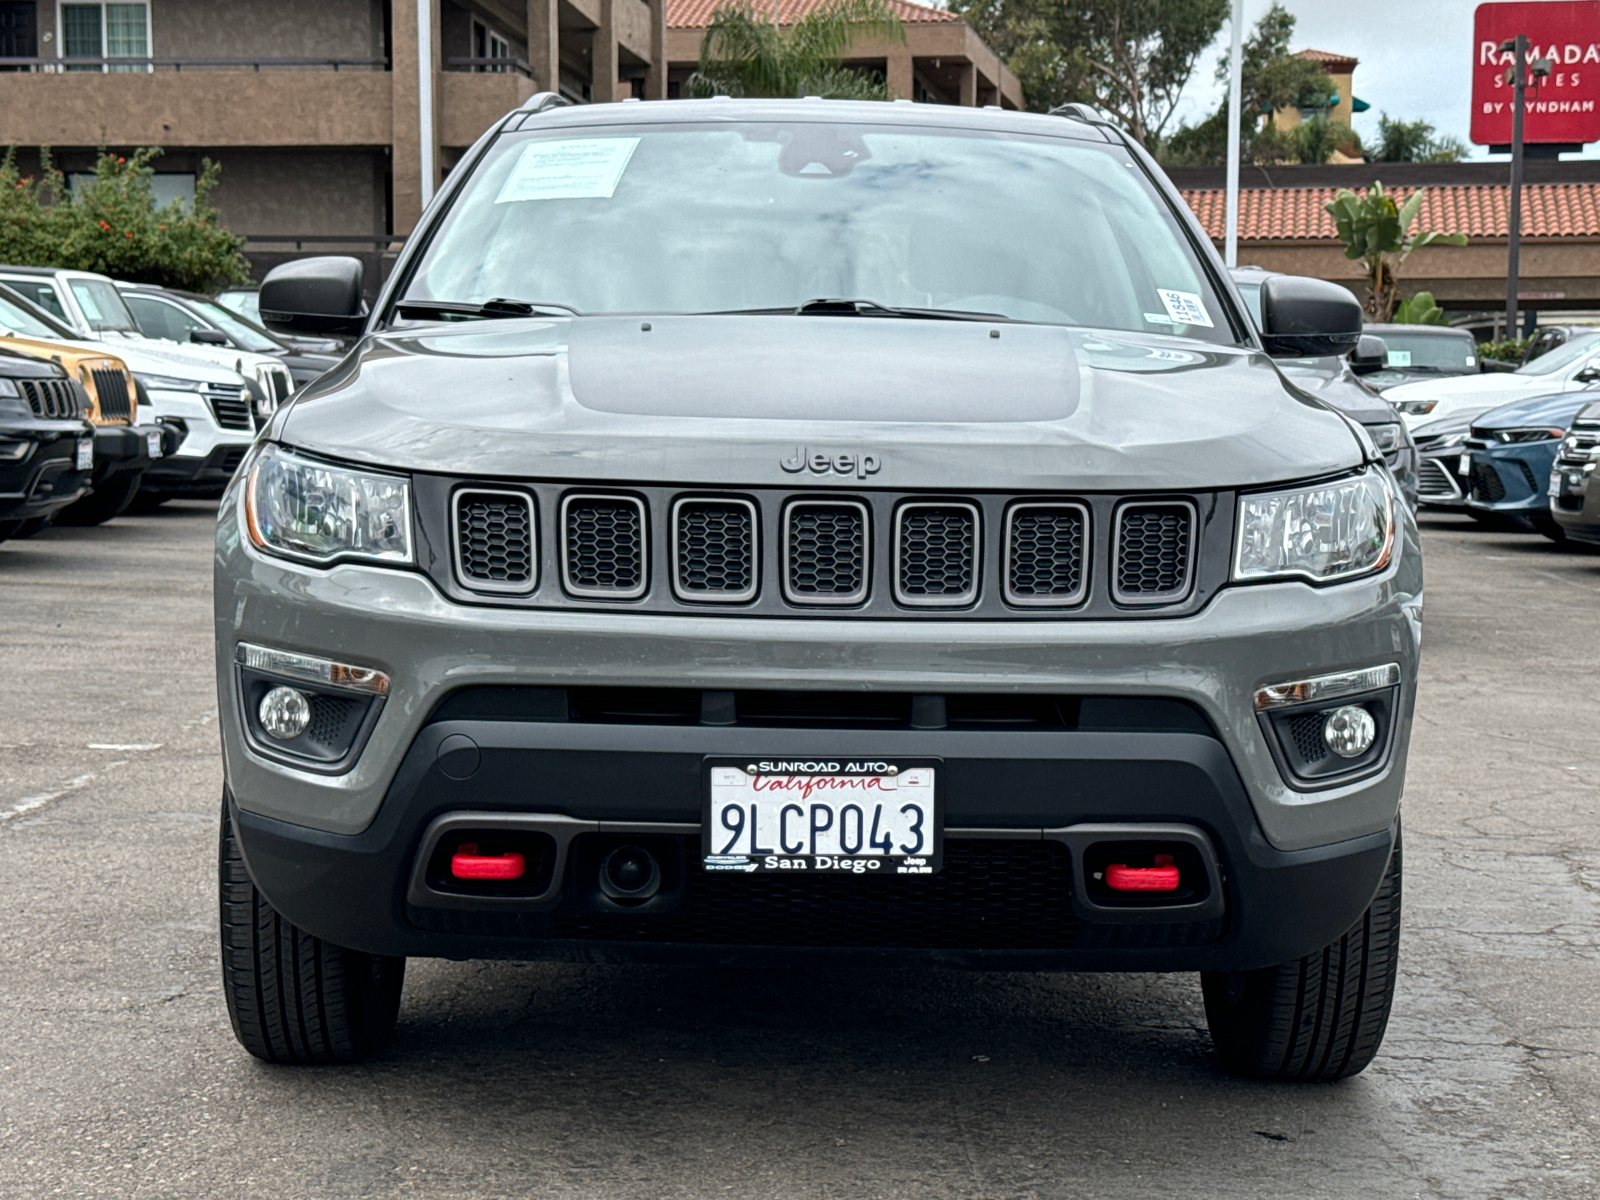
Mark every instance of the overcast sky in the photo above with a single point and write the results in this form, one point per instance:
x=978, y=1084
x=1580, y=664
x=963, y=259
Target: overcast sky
x=1416, y=58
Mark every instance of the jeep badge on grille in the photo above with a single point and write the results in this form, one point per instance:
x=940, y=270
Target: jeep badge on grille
x=860, y=465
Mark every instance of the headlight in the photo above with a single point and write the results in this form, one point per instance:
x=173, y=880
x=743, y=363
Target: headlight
x=318, y=513
x=1387, y=438
x=8, y=387
x=168, y=383
x=1416, y=408
x=1529, y=435
x=1324, y=532
x=1429, y=445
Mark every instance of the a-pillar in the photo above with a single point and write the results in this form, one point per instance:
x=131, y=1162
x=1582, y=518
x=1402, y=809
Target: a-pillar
x=898, y=73
x=544, y=44
x=603, y=84
x=655, y=76
x=406, y=100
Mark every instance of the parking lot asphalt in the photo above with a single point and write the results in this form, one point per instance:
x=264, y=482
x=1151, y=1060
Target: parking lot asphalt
x=119, y=1075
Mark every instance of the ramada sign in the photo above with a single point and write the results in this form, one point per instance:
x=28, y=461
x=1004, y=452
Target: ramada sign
x=1562, y=107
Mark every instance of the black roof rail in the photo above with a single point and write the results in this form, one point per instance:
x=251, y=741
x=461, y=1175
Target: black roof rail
x=542, y=101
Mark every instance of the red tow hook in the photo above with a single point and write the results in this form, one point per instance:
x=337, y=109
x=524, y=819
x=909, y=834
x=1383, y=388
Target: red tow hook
x=1163, y=877
x=467, y=863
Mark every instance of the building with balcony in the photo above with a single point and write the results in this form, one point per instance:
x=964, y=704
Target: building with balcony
x=334, y=120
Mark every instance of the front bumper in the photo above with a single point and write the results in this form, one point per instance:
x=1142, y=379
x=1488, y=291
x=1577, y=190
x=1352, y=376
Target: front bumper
x=200, y=478
x=1577, y=511
x=1439, y=483
x=121, y=451
x=1510, y=480
x=47, y=479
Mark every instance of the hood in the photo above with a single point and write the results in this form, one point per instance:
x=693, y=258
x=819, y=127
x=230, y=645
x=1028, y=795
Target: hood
x=730, y=400
x=19, y=364
x=1558, y=409
x=1333, y=382
x=1473, y=387
x=142, y=362
x=211, y=356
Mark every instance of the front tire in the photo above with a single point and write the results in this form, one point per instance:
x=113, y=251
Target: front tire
x=1319, y=1018
x=295, y=998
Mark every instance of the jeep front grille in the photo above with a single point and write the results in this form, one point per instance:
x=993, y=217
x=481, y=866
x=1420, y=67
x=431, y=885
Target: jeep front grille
x=825, y=552
x=1047, y=554
x=495, y=541
x=603, y=552
x=230, y=406
x=1154, y=557
x=111, y=393
x=714, y=549
x=936, y=553
x=782, y=552
x=53, y=399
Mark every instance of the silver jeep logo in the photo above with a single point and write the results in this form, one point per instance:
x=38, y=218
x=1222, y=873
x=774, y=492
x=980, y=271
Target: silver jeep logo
x=859, y=465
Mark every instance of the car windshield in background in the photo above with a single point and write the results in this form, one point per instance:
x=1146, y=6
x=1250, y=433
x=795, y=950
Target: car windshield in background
x=18, y=320
x=102, y=306
x=245, y=335
x=1422, y=352
x=1562, y=357
x=768, y=217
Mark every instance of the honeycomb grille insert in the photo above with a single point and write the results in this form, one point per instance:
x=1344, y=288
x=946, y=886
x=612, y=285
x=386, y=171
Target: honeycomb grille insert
x=604, y=551
x=825, y=552
x=714, y=550
x=936, y=554
x=1154, y=551
x=495, y=541
x=1047, y=554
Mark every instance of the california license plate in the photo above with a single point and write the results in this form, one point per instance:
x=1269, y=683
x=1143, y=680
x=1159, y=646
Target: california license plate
x=1464, y=466
x=153, y=441
x=833, y=816
x=85, y=453
x=1555, y=485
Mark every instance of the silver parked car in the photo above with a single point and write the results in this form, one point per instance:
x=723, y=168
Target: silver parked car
x=815, y=532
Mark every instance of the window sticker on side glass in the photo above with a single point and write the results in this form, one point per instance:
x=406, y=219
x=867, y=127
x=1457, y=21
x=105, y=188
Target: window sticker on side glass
x=1185, y=308
x=1399, y=358
x=589, y=169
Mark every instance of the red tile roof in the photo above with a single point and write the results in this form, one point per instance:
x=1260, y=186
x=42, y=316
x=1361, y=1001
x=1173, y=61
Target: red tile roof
x=696, y=14
x=1339, y=62
x=1549, y=210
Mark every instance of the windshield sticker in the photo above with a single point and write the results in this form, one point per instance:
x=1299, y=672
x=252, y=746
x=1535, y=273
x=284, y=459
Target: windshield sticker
x=575, y=170
x=1185, y=308
x=1399, y=358
x=1160, y=319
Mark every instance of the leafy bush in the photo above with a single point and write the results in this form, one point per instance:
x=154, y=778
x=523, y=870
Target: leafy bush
x=1421, y=309
x=112, y=224
x=1506, y=350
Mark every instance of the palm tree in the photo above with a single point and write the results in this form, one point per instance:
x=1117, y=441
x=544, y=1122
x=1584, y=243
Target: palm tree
x=747, y=54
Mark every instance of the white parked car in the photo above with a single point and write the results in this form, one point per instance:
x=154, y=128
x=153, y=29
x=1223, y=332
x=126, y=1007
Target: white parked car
x=206, y=410
x=1569, y=367
x=93, y=306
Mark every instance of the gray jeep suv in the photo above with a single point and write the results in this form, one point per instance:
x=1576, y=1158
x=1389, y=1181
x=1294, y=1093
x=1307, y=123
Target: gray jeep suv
x=759, y=532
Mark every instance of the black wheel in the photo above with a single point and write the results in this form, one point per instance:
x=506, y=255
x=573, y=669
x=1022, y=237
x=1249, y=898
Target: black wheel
x=1321, y=1017
x=146, y=502
x=1550, y=529
x=295, y=998
x=108, y=500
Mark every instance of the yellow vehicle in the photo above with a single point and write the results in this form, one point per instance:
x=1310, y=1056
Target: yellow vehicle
x=122, y=450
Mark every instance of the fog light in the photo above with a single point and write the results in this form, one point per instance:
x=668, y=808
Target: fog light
x=1349, y=731
x=285, y=713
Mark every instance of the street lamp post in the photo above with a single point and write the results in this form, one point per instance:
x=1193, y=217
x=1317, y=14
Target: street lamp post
x=1517, y=77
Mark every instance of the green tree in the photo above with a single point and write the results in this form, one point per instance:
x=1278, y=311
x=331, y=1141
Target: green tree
x=1414, y=141
x=1316, y=140
x=1129, y=58
x=746, y=54
x=112, y=225
x=1421, y=309
x=1377, y=231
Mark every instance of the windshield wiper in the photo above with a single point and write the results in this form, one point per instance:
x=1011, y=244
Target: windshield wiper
x=831, y=307
x=500, y=306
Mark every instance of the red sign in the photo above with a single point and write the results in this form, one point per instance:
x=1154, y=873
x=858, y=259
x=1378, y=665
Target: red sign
x=1562, y=107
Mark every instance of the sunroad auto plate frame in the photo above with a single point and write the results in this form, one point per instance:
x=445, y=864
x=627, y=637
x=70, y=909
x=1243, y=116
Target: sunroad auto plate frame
x=775, y=858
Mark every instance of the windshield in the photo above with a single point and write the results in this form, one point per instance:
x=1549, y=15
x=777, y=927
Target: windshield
x=1250, y=293
x=245, y=335
x=102, y=306
x=740, y=217
x=1432, y=352
x=16, y=319
x=1562, y=357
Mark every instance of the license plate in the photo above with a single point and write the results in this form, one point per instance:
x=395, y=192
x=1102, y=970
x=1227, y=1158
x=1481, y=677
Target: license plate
x=153, y=440
x=1464, y=465
x=85, y=453
x=831, y=816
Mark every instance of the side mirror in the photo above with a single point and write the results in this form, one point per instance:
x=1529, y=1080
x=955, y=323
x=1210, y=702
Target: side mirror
x=1370, y=355
x=208, y=337
x=315, y=296
x=1308, y=318
x=1589, y=374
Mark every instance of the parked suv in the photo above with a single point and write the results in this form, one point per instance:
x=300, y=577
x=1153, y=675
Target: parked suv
x=810, y=569
x=1574, y=493
x=46, y=443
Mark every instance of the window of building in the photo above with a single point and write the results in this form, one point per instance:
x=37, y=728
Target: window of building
x=165, y=187
x=105, y=31
x=486, y=43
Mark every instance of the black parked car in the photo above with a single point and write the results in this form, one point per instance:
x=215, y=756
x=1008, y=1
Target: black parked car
x=46, y=442
x=186, y=317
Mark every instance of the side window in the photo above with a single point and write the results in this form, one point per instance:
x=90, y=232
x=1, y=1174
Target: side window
x=158, y=319
x=41, y=293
